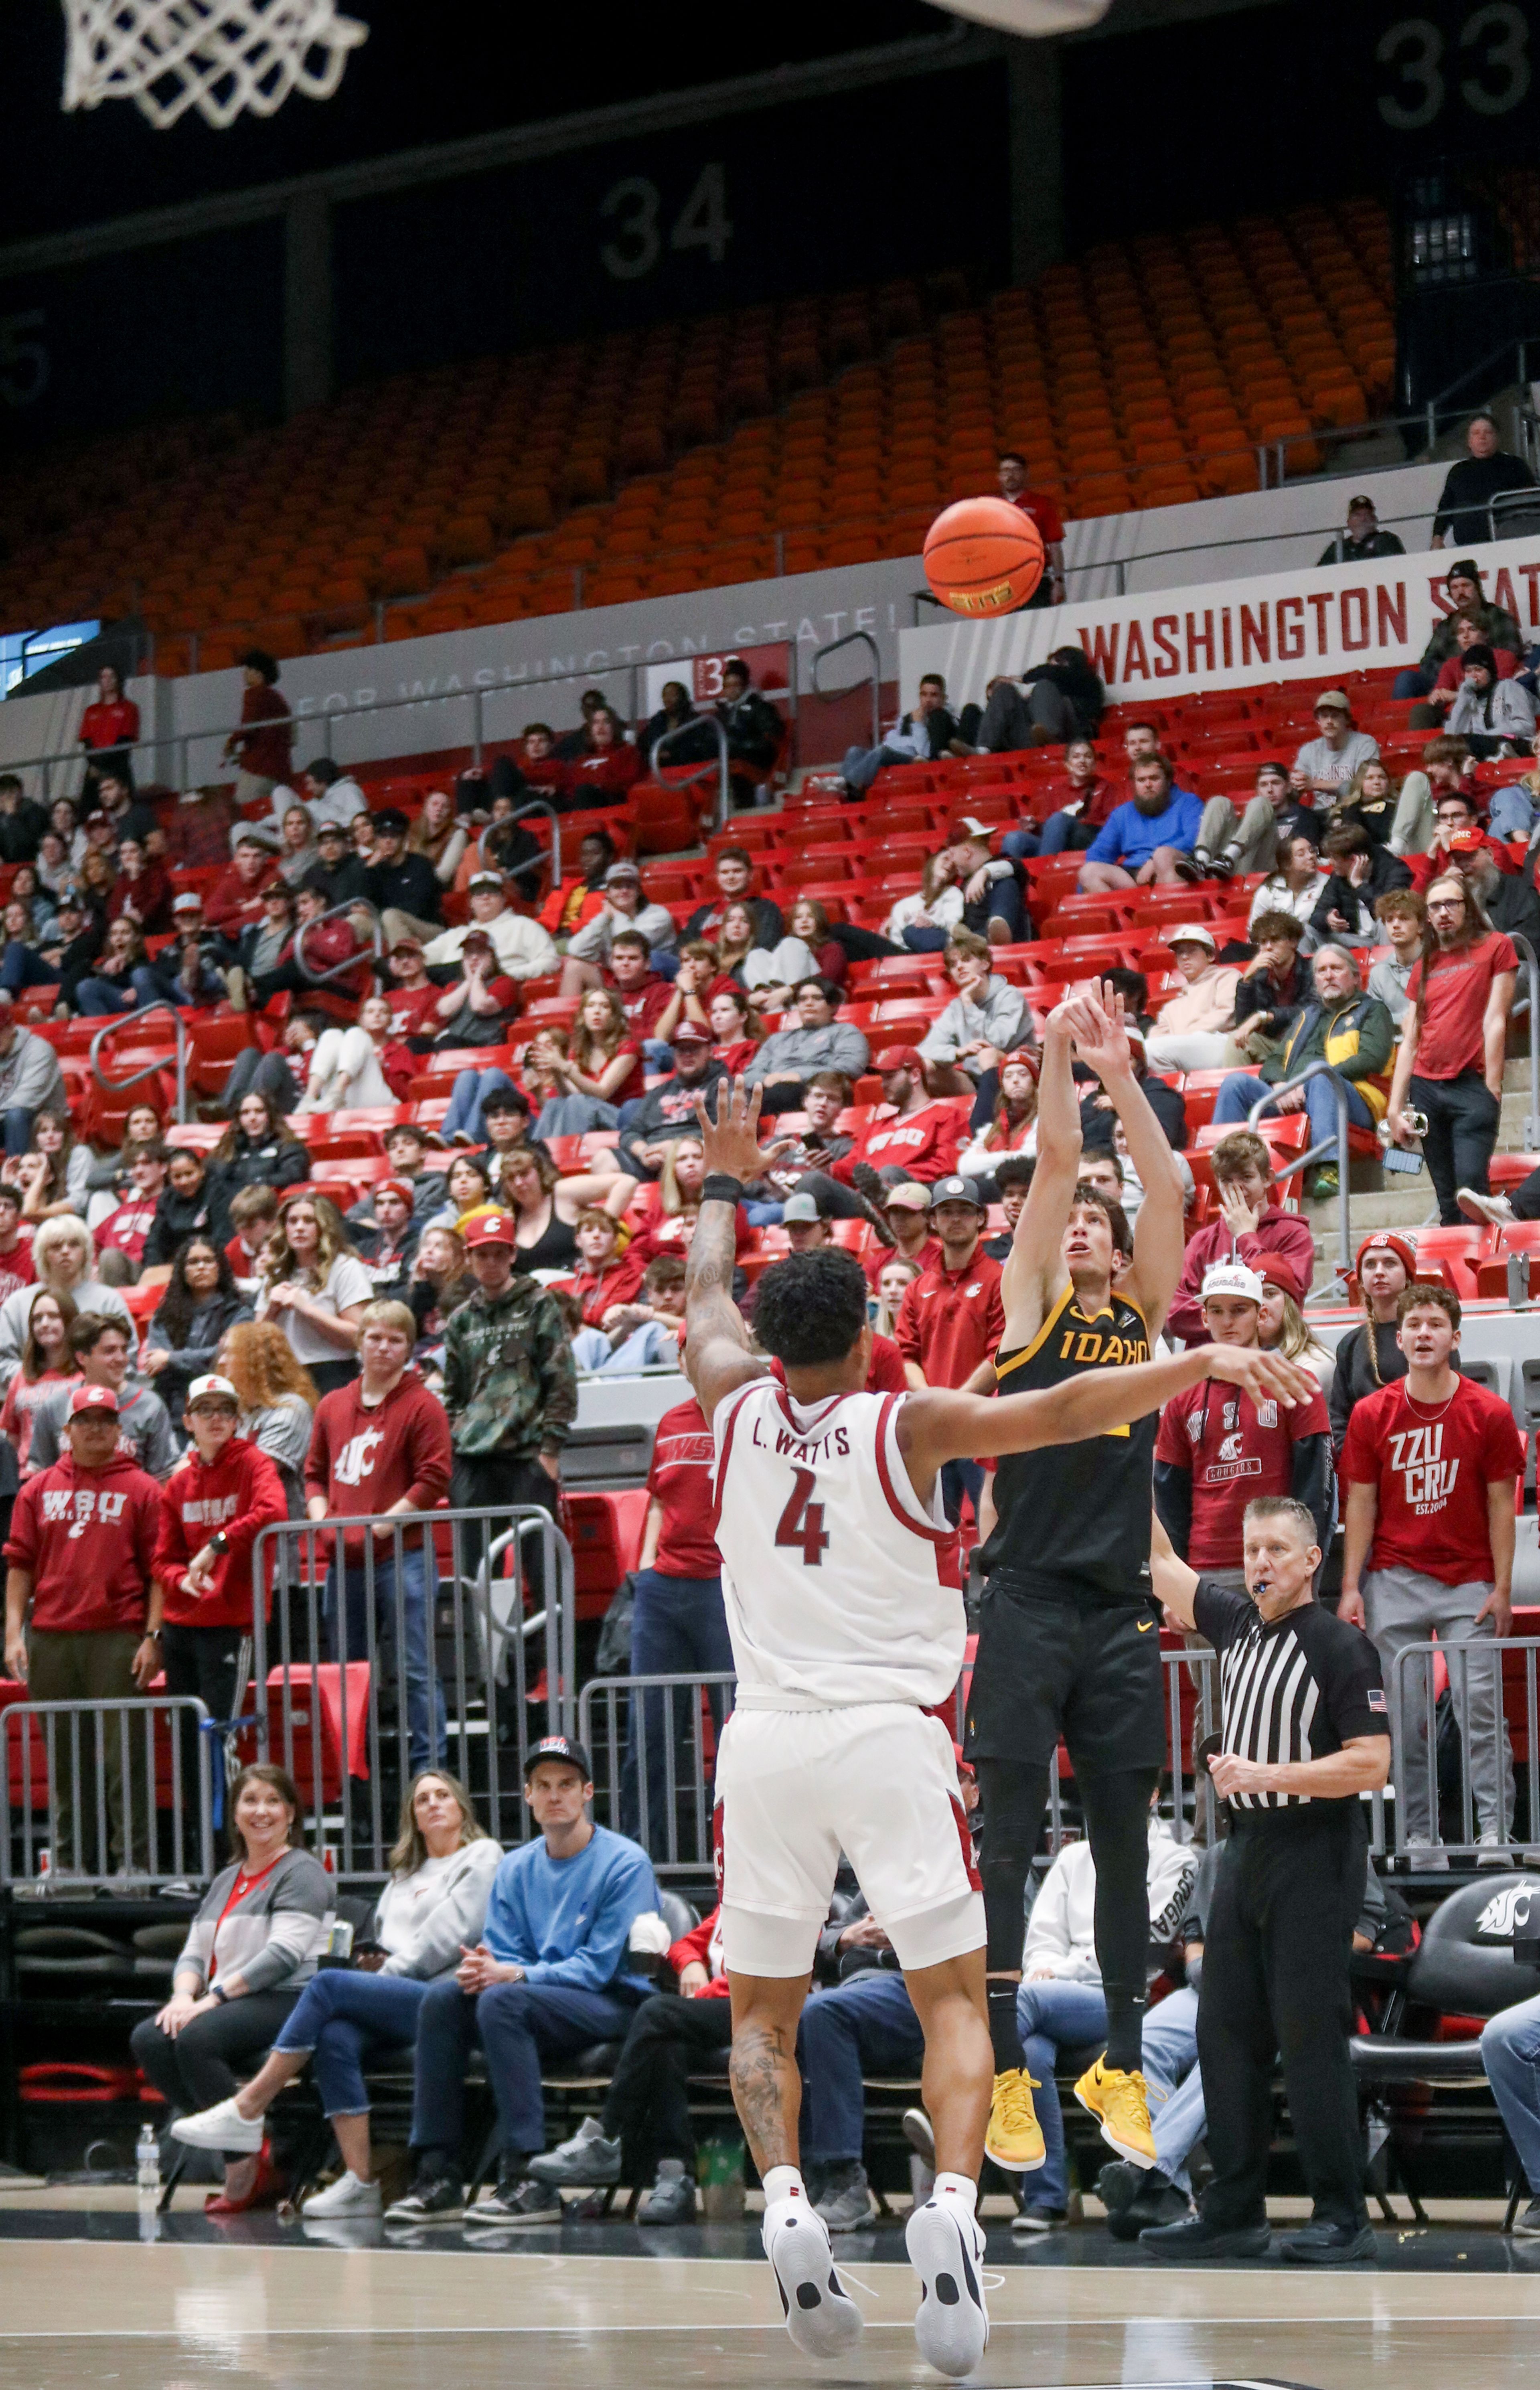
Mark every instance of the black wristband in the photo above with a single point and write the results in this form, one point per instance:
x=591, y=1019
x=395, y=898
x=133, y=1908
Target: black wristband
x=722, y=1188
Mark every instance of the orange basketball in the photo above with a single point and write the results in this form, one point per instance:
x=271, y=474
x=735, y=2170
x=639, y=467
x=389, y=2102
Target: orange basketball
x=983, y=556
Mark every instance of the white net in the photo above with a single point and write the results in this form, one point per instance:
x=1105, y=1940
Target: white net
x=220, y=57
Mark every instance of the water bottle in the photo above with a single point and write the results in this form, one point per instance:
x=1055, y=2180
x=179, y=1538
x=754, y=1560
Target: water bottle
x=149, y=2156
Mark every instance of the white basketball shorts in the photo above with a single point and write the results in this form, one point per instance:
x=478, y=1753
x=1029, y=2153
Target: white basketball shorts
x=877, y=1781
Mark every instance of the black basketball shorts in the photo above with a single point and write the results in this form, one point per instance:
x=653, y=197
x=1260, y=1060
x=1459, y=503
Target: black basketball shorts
x=1048, y=1666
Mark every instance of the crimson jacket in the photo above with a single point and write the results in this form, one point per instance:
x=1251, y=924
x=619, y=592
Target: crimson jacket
x=233, y=903
x=87, y=1538
x=364, y=1458
x=1277, y=1232
x=238, y=1494
x=925, y=1142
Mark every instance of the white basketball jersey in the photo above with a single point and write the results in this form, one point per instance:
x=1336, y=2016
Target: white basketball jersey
x=830, y=1562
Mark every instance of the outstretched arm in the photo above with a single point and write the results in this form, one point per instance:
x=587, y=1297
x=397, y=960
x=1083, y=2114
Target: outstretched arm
x=717, y=1357
x=935, y=1426
x=1034, y=1272
x=1101, y=1040
x=1174, y=1583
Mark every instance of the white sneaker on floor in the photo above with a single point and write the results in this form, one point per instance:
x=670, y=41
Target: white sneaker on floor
x=220, y=2127
x=947, y=2246
x=821, y=2318
x=1493, y=1850
x=346, y=2196
x=1496, y=1210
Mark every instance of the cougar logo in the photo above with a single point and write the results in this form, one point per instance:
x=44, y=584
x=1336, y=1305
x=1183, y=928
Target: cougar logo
x=1230, y=1448
x=1498, y=1918
x=356, y=1460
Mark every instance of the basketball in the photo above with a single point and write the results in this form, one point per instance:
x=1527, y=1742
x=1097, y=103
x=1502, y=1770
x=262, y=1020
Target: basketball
x=983, y=556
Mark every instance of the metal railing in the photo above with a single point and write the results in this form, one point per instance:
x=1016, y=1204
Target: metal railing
x=116, y=1800
x=646, y=1738
x=1337, y=1144
x=423, y=1655
x=1481, y=1685
x=1530, y=961
x=375, y=950
x=534, y=806
x=724, y=769
x=851, y=639
x=127, y=1021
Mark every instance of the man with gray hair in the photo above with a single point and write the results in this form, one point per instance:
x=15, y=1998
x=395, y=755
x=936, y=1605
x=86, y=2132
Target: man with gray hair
x=1341, y=1026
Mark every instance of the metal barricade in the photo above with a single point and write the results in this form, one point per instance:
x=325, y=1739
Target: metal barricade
x=128, y=1021
x=851, y=639
x=421, y=1656
x=1492, y=1692
x=1532, y=986
x=646, y=1737
x=110, y=1779
x=534, y=806
x=724, y=764
x=1332, y=1146
x=373, y=955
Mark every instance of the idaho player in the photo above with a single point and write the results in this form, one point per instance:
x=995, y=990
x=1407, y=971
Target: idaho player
x=845, y=1639
x=1069, y=1642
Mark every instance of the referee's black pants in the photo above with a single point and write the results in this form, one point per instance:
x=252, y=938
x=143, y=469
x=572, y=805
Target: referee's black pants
x=1276, y=1979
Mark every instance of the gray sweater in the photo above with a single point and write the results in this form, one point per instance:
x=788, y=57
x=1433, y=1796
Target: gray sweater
x=142, y=1422
x=802, y=1053
x=277, y=1934
x=29, y=1074
x=423, y=1926
x=1003, y=1020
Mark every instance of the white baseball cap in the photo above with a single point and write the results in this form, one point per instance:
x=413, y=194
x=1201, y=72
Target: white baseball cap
x=1232, y=1277
x=1191, y=933
x=220, y=1387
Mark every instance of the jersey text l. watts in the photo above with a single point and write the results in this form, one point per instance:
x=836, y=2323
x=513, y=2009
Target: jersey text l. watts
x=823, y=1447
x=1418, y=1452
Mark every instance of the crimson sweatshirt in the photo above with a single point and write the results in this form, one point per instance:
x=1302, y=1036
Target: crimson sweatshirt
x=238, y=1493
x=364, y=1458
x=925, y=1142
x=87, y=1537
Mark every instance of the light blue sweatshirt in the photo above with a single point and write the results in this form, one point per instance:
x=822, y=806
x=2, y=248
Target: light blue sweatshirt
x=569, y=1920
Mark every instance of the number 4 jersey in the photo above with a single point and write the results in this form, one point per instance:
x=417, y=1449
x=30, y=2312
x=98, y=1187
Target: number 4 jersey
x=840, y=1586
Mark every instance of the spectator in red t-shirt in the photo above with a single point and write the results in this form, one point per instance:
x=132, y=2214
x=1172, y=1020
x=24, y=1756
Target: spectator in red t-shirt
x=264, y=742
x=678, y=1620
x=1011, y=474
x=645, y=994
x=381, y=1445
x=913, y=1138
x=234, y=903
x=1430, y=1465
x=414, y=999
x=109, y=732
x=82, y=1617
x=123, y=1232
x=48, y=1363
x=907, y=1213
x=1079, y=805
x=953, y=1318
x=1217, y=1449
x=1449, y=1064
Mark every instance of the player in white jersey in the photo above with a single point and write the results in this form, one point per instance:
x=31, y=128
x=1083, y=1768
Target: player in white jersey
x=844, y=1635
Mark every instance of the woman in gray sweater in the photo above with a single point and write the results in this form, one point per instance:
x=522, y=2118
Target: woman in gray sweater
x=250, y=1951
x=436, y=1901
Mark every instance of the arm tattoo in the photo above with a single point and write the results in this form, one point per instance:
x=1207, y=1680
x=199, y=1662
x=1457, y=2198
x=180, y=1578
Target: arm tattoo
x=765, y=2087
x=709, y=1306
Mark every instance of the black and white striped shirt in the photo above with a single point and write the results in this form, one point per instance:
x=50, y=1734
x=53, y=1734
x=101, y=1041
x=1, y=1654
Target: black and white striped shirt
x=1295, y=1689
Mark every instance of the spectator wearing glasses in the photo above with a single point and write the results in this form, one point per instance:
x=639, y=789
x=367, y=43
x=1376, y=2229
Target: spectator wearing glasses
x=1341, y=1026
x=1449, y=1064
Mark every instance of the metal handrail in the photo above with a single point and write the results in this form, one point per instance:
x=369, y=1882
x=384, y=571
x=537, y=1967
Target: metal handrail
x=377, y=934
x=723, y=781
x=851, y=639
x=1532, y=973
x=128, y=1021
x=1337, y=1144
x=561, y=1607
x=534, y=806
x=1459, y=1657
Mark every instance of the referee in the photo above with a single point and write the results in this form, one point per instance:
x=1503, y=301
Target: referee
x=1304, y=1732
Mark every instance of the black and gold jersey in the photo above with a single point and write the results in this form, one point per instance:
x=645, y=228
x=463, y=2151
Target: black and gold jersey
x=1073, y=1519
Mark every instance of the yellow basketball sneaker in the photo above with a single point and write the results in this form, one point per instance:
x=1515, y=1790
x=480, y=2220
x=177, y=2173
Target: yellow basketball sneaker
x=1121, y=2103
x=1015, y=2138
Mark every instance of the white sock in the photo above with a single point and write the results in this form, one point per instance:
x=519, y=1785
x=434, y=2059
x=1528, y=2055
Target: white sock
x=960, y=2187
x=784, y=2182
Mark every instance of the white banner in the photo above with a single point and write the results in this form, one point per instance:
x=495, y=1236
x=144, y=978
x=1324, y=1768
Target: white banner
x=1316, y=626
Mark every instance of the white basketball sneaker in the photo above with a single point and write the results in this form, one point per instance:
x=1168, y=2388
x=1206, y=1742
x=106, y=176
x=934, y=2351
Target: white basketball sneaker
x=947, y=2246
x=823, y=2321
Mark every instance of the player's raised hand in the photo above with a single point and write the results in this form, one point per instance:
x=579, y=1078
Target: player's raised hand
x=730, y=1142
x=1264, y=1376
x=1096, y=1024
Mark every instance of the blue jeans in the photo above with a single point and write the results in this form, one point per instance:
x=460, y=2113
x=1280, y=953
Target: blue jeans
x=94, y=996
x=427, y=1721
x=1055, y=2015
x=1061, y=830
x=347, y=2020
x=1412, y=683
x=1513, y=813
x=957, y=1478
x=517, y=2025
x=1176, y=2117
x=18, y=1131
x=24, y=967
x=866, y=2026
x=1510, y=2053
x=469, y=1092
x=679, y=1628
x=1241, y=1089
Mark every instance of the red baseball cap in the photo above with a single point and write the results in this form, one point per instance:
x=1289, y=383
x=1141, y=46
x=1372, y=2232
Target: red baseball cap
x=395, y=1186
x=93, y=1398
x=898, y=1058
x=492, y=1228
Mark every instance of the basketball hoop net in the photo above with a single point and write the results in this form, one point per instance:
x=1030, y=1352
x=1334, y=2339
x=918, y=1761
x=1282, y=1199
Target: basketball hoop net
x=218, y=55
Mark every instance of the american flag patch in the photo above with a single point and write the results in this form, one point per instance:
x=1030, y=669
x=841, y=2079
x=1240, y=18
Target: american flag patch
x=1377, y=1700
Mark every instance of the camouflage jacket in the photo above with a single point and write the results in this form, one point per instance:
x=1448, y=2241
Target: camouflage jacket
x=509, y=1383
